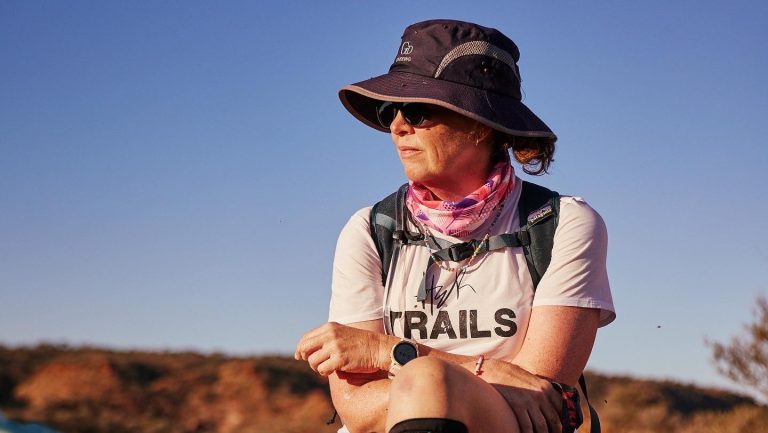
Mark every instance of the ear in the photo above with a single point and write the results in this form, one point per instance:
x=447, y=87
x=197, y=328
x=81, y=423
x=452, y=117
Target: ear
x=481, y=132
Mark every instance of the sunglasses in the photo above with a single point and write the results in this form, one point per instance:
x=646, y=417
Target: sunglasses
x=414, y=113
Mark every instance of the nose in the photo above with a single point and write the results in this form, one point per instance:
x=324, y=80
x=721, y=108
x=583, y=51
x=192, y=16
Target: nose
x=399, y=126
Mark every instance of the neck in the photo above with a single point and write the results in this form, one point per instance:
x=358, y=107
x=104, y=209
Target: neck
x=456, y=188
x=452, y=194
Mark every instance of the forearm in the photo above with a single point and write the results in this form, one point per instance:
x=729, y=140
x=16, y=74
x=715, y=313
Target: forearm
x=446, y=356
x=361, y=405
x=362, y=400
x=356, y=359
x=558, y=343
x=388, y=341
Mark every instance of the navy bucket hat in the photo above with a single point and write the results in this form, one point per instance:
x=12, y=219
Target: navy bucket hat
x=462, y=66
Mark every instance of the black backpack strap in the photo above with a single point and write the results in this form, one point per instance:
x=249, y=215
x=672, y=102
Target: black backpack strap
x=382, y=224
x=388, y=227
x=593, y=418
x=538, y=212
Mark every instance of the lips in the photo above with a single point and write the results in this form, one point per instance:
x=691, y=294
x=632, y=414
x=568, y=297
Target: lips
x=407, y=150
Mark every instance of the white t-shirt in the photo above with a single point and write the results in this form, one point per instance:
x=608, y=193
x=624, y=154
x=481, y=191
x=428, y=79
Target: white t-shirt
x=486, y=310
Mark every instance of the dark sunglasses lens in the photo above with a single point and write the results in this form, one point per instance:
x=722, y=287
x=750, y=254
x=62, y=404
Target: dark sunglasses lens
x=386, y=113
x=415, y=114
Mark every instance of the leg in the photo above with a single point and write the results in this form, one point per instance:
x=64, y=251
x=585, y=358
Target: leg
x=431, y=388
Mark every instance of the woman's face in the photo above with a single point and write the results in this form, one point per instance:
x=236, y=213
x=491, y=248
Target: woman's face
x=447, y=152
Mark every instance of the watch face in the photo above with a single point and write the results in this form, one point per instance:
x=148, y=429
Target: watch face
x=404, y=352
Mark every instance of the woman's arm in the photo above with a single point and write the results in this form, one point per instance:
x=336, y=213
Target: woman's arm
x=570, y=298
x=356, y=359
x=558, y=342
x=569, y=302
x=361, y=399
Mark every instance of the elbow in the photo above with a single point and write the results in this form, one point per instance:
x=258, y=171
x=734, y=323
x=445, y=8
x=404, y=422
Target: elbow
x=361, y=409
x=359, y=422
x=361, y=427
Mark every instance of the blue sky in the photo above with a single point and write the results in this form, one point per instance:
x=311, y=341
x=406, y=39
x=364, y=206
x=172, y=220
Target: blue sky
x=173, y=175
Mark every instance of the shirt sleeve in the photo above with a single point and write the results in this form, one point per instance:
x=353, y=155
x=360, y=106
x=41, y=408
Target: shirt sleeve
x=356, y=289
x=577, y=275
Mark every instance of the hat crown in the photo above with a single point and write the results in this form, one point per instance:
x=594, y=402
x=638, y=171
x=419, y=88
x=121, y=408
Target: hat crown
x=460, y=52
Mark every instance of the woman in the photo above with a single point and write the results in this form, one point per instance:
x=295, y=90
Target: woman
x=444, y=346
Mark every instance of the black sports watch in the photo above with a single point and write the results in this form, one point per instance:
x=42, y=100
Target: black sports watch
x=402, y=352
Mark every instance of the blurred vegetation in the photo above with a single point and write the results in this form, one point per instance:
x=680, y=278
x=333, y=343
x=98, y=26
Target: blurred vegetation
x=745, y=358
x=92, y=390
x=631, y=405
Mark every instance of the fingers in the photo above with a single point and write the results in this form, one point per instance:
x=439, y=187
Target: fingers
x=338, y=347
x=554, y=397
x=551, y=418
x=326, y=362
x=301, y=346
x=539, y=421
x=521, y=408
x=317, y=358
x=551, y=404
x=523, y=419
x=307, y=346
x=315, y=339
x=329, y=365
x=535, y=421
x=532, y=420
x=552, y=407
x=533, y=410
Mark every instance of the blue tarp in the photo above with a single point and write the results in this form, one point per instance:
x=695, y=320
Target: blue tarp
x=7, y=426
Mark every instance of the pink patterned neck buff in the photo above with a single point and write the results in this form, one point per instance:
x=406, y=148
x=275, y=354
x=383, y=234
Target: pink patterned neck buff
x=461, y=218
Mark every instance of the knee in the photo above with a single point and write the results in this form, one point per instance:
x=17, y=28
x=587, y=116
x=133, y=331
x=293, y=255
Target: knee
x=426, y=374
x=429, y=388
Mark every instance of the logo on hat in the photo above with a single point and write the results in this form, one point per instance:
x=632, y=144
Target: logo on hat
x=406, y=49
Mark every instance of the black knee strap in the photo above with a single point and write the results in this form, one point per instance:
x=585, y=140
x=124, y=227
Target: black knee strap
x=429, y=425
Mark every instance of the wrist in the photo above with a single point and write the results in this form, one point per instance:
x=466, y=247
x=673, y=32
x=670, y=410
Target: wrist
x=385, y=351
x=402, y=352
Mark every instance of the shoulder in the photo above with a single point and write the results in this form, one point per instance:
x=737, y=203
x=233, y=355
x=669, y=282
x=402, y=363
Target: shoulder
x=355, y=249
x=361, y=215
x=358, y=224
x=578, y=216
x=577, y=275
x=356, y=279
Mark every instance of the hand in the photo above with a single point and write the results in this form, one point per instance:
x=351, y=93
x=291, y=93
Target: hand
x=334, y=347
x=536, y=404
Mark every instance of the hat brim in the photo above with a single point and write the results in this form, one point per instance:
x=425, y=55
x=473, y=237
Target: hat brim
x=500, y=112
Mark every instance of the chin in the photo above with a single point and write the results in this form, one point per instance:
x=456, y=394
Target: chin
x=415, y=177
x=418, y=174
